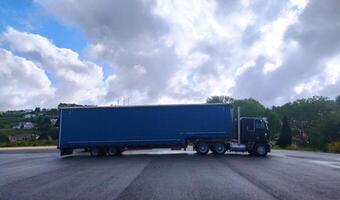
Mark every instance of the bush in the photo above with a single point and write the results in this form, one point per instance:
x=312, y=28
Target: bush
x=3, y=138
x=334, y=147
x=295, y=148
x=29, y=143
x=285, y=138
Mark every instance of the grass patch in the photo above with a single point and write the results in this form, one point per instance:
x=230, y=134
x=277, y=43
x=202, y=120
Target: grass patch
x=295, y=148
x=29, y=143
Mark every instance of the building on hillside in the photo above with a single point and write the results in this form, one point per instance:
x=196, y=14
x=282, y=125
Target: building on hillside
x=28, y=110
x=29, y=116
x=23, y=137
x=18, y=126
x=24, y=125
x=53, y=121
x=28, y=125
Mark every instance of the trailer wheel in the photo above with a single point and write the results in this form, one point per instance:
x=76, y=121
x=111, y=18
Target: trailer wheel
x=113, y=151
x=261, y=150
x=202, y=148
x=219, y=148
x=96, y=152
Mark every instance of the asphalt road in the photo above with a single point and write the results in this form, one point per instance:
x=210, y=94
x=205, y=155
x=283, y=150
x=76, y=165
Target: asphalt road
x=163, y=174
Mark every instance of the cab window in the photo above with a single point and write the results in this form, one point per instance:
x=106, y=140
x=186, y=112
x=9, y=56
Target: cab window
x=259, y=124
x=250, y=125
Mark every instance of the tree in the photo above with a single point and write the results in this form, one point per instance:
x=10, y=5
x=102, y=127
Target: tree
x=250, y=107
x=220, y=99
x=309, y=120
x=37, y=110
x=285, y=138
x=337, y=100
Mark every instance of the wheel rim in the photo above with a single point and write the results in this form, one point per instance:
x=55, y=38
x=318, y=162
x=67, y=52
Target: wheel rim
x=203, y=148
x=219, y=148
x=261, y=150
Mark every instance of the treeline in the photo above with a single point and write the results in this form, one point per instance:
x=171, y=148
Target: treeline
x=311, y=123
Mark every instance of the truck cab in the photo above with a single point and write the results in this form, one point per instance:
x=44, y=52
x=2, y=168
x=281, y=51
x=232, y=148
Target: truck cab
x=254, y=129
x=254, y=134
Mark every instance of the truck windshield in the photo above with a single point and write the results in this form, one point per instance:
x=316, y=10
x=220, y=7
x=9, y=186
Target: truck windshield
x=261, y=124
x=266, y=125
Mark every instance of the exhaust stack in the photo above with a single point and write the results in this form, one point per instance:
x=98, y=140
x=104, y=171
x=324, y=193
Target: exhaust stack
x=238, y=146
x=238, y=126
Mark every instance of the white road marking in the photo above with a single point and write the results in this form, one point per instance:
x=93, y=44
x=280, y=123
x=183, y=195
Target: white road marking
x=332, y=164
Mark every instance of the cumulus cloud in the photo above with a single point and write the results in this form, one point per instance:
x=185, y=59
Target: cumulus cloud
x=175, y=51
x=308, y=46
x=131, y=38
x=22, y=83
x=185, y=51
x=76, y=80
x=219, y=41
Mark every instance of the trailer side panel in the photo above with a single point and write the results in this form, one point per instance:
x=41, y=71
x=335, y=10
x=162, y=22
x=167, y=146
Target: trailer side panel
x=142, y=125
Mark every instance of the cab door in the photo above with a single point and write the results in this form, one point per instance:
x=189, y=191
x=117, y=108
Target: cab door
x=247, y=130
x=260, y=130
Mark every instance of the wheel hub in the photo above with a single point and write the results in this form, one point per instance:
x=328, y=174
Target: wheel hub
x=219, y=148
x=261, y=150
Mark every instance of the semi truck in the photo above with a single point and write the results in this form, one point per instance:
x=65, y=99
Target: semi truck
x=207, y=127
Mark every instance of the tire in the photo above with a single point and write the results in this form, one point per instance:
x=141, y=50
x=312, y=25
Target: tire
x=202, y=148
x=96, y=152
x=113, y=151
x=219, y=148
x=261, y=150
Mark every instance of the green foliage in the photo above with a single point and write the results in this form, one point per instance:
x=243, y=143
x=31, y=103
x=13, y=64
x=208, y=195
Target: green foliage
x=52, y=112
x=7, y=120
x=250, y=107
x=334, y=147
x=50, y=133
x=37, y=110
x=42, y=122
x=220, y=99
x=337, y=100
x=3, y=138
x=29, y=143
x=314, y=122
x=285, y=138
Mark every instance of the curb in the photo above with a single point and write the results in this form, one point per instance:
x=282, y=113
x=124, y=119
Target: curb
x=28, y=148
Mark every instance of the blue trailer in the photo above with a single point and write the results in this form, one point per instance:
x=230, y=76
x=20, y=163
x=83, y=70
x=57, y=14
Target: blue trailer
x=112, y=130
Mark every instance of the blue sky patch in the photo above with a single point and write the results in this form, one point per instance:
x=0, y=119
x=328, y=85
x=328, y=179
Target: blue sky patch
x=29, y=17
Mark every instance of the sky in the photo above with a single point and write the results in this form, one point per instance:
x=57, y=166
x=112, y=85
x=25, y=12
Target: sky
x=107, y=52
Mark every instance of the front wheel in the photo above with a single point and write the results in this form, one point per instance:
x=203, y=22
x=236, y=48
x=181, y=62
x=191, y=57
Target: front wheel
x=261, y=150
x=202, y=148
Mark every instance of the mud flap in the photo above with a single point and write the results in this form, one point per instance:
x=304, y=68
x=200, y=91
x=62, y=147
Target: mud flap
x=268, y=147
x=64, y=152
